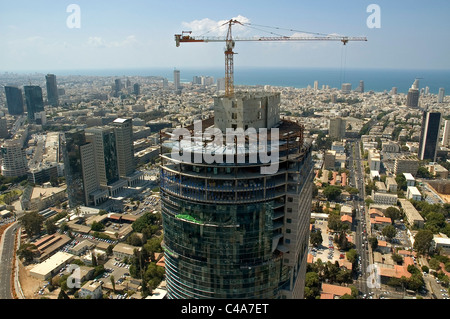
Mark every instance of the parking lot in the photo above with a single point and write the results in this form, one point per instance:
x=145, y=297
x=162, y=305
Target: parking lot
x=327, y=251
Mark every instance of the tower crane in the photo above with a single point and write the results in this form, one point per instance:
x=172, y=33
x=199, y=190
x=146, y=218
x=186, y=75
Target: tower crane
x=185, y=37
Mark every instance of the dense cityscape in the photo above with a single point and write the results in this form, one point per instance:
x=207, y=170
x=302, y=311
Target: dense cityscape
x=94, y=205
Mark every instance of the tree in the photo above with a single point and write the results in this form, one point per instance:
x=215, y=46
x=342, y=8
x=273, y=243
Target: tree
x=62, y=295
x=50, y=227
x=389, y=231
x=97, y=226
x=392, y=213
x=32, y=222
x=352, y=255
x=422, y=172
x=332, y=192
x=401, y=182
x=422, y=241
x=373, y=241
x=26, y=252
x=113, y=283
x=397, y=258
x=316, y=238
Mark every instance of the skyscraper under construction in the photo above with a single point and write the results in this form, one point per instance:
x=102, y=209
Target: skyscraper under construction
x=232, y=230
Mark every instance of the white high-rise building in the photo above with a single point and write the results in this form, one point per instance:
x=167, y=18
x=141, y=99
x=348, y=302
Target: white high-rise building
x=14, y=159
x=446, y=134
x=176, y=80
x=346, y=88
x=316, y=85
x=441, y=95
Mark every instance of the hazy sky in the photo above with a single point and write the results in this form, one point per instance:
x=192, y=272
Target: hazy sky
x=34, y=34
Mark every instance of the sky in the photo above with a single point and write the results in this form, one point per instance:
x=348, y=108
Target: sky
x=35, y=35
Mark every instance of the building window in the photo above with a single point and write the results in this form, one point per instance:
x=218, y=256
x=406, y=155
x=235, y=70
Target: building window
x=289, y=210
x=289, y=221
x=290, y=199
x=234, y=116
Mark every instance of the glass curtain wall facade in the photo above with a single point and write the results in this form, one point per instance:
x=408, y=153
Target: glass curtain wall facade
x=229, y=231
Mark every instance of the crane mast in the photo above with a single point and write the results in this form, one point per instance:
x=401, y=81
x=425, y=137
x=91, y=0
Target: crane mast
x=185, y=37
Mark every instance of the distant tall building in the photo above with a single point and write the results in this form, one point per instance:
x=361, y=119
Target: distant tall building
x=34, y=100
x=346, y=88
x=394, y=91
x=316, y=85
x=72, y=166
x=14, y=100
x=360, y=88
x=176, y=80
x=123, y=129
x=441, y=95
x=412, y=99
x=137, y=89
x=14, y=162
x=446, y=134
x=337, y=128
x=429, y=135
x=221, y=84
x=80, y=170
x=104, y=141
x=117, y=87
x=52, y=90
x=3, y=128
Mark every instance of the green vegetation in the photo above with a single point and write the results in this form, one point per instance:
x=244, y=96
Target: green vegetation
x=332, y=192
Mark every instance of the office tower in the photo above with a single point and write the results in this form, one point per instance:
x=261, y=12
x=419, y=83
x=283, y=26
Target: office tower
x=14, y=100
x=123, y=129
x=104, y=141
x=33, y=98
x=412, y=99
x=229, y=230
x=176, y=80
x=337, y=128
x=165, y=83
x=3, y=128
x=394, y=91
x=52, y=90
x=128, y=83
x=14, y=162
x=73, y=171
x=316, y=85
x=446, y=134
x=117, y=87
x=80, y=170
x=441, y=95
x=137, y=88
x=360, y=88
x=427, y=90
x=346, y=88
x=221, y=84
x=429, y=136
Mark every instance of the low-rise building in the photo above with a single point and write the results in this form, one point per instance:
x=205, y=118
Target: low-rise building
x=51, y=266
x=384, y=198
x=441, y=243
x=334, y=291
x=391, y=184
x=413, y=217
x=413, y=193
x=92, y=290
x=123, y=251
x=410, y=180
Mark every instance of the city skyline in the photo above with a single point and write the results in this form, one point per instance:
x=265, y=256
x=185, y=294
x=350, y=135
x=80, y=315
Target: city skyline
x=36, y=35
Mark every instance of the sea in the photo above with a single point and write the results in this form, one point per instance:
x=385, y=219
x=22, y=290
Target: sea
x=377, y=80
